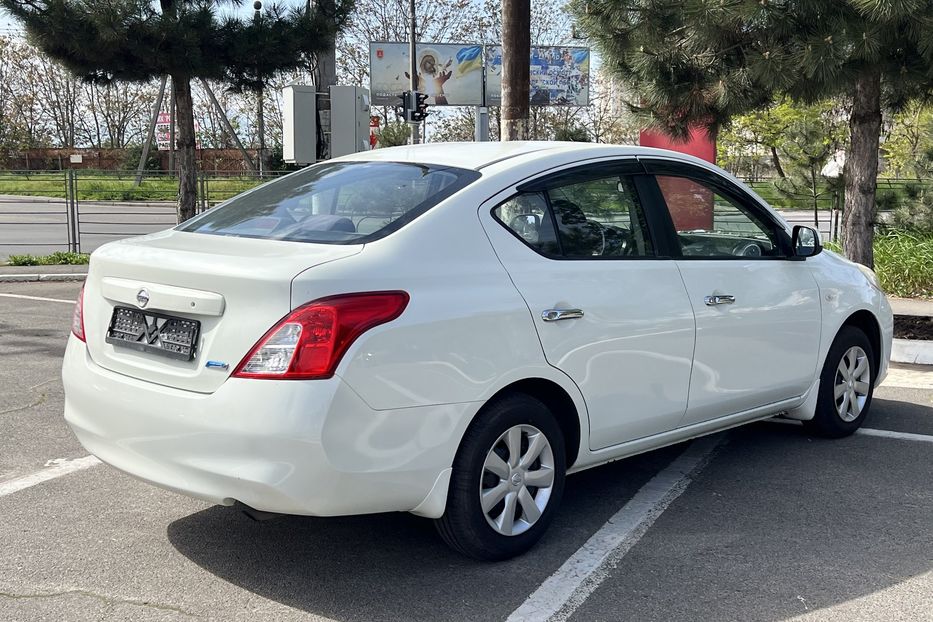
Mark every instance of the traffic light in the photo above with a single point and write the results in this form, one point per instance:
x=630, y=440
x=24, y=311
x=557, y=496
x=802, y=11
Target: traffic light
x=405, y=109
x=420, y=112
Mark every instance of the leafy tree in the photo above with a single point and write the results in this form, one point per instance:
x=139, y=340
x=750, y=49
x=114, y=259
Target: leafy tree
x=394, y=134
x=138, y=41
x=908, y=147
x=809, y=138
x=706, y=61
x=572, y=132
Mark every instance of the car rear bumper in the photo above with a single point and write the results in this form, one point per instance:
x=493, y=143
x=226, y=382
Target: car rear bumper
x=295, y=447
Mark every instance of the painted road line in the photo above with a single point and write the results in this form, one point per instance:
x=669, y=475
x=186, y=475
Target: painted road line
x=70, y=302
x=565, y=590
x=57, y=468
x=902, y=436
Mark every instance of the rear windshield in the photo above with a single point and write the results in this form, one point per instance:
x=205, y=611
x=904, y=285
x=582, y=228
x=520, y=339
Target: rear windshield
x=335, y=202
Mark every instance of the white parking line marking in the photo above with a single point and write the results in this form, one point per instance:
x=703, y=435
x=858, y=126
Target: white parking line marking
x=565, y=590
x=903, y=436
x=70, y=302
x=58, y=468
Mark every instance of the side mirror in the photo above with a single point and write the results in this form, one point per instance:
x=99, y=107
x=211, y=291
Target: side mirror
x=806, y=242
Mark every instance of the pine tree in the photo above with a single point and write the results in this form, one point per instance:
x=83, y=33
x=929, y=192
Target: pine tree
x=138, y=41
x=704, y=61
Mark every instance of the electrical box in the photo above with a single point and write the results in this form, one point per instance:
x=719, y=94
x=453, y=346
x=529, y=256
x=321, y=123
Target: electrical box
x=299, y=125
x=349, y=120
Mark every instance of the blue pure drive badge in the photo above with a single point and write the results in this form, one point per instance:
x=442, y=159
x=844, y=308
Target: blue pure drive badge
x=216, y=365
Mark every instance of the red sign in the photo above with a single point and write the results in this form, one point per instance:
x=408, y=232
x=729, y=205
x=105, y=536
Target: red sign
x=380, y=53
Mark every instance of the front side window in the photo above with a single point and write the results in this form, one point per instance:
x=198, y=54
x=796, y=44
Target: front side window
x=711, y=224
x=335, y=202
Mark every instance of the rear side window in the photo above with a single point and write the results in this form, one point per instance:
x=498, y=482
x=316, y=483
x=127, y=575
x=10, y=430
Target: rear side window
x=335, y=202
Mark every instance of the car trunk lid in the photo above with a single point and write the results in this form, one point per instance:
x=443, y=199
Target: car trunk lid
x=236, y=288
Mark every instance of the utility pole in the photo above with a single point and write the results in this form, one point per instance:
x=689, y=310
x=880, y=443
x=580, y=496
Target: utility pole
x=260, y=113
x=324, y=76
x=413, y=53
x=516, y=69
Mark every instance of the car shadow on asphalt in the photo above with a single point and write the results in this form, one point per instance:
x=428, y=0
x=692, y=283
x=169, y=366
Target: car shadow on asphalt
x=395, y=566
x=777, y=516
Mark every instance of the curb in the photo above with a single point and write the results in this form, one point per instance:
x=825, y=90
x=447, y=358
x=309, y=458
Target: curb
x=912, y=351
x=27, y=278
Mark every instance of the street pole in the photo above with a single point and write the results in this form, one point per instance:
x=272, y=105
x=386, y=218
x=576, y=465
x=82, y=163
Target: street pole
x=260, y=114
x=412, y=51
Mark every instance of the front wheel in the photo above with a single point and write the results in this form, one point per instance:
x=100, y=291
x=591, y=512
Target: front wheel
x=507, y=481
x=846, y=385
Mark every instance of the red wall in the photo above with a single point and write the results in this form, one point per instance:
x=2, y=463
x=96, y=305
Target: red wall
x=691, y=206
x=698, y=144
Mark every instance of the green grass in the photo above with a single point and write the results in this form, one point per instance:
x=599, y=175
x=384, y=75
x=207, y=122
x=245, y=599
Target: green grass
x=58, y=258
x=903, y=263
x=97, y=186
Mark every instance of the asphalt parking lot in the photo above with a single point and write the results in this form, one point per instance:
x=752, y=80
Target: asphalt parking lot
x=766, y=524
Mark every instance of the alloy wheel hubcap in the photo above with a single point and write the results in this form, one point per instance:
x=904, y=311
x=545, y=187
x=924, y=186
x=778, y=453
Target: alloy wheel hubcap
x=517, y=479
x=853, y=378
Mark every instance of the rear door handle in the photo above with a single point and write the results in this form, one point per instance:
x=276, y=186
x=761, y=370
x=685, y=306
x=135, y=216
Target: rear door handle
x=722, y=299
x=553, y=315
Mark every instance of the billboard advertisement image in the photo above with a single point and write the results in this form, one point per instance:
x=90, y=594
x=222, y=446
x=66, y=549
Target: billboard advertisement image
x=560, y=76
x=450, y=73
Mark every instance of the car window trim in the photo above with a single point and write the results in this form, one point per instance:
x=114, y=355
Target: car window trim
x=465, y=177
x=579, y=172
x=656, y=166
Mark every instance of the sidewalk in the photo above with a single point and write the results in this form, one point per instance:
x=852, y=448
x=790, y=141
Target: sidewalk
x=911, y=306
x=42, y=273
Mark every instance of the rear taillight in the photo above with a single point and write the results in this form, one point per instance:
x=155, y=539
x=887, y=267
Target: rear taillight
x=310, y=341
x=77, y=317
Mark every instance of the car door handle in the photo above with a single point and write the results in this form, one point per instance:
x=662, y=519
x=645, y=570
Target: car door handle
x=553, y=315
x=722, y=299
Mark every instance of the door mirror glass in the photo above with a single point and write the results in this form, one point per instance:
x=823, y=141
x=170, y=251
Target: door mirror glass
x=806, y=241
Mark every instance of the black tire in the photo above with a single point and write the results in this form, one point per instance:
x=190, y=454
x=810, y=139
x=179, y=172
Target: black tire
x=464, y=525
x=827, y=421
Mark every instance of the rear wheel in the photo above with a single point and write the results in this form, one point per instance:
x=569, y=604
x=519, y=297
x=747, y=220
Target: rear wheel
x=846, y=385
x=507, y=481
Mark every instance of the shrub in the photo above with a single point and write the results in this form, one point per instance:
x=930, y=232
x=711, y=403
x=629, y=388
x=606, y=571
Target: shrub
x=59, y=258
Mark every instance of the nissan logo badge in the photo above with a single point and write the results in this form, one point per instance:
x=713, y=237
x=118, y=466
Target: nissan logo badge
x=142, y=298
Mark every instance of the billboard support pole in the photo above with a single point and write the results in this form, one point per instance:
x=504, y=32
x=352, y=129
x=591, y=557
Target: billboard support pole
x=481, y=124
x=481, y=134
x=412, y=52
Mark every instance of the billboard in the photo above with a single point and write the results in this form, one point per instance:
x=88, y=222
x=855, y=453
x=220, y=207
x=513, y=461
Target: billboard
x=450, y=73
x=560, y=76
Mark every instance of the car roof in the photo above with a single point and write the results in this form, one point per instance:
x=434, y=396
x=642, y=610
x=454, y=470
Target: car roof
x=478, y=155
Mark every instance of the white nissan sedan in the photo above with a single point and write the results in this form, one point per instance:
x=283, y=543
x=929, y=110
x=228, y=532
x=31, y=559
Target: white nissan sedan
x=451, y=329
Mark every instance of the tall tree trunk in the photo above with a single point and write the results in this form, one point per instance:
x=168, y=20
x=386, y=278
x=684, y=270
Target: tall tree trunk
x=186, y=158
x=516, y=68
x=861, y=168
